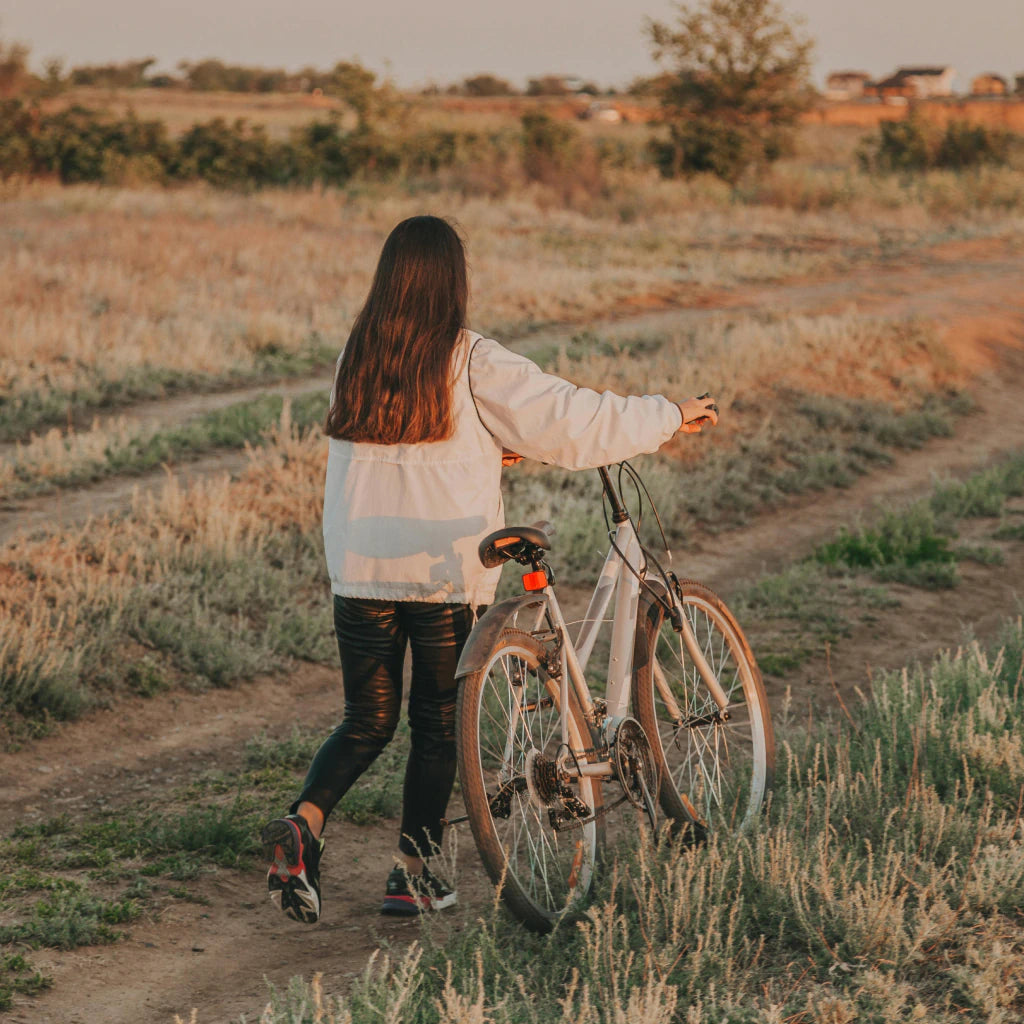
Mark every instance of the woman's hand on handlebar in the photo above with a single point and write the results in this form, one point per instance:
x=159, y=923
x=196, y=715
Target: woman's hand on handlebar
x=697, y=413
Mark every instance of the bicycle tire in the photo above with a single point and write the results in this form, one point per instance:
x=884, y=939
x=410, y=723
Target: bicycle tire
x=544, y=876
x=714, y=773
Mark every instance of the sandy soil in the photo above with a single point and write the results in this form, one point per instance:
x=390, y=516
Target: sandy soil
x=215, y=955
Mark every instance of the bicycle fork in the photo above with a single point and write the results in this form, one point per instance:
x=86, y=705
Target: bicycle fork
x=681, y=624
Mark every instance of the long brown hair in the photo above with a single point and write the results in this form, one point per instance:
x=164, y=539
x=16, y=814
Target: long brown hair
x=393, y=384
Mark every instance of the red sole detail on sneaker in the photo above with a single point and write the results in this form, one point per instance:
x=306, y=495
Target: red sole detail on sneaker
x=404, y=905
x=281, y=863
x=280, y=867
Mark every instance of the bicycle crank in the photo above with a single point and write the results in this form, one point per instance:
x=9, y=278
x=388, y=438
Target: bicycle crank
x=636, y=767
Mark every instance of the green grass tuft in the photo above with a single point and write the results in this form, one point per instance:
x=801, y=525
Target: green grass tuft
x=18, y=977
x=72, y=918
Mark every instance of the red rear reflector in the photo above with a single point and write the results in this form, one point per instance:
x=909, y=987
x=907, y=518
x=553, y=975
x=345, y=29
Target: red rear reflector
x=536, y=580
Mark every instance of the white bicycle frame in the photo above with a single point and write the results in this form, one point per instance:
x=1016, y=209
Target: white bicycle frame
x=620, y=573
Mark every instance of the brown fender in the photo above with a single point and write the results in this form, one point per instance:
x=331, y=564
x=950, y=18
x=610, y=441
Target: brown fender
x=486, y=632
x=649, y=608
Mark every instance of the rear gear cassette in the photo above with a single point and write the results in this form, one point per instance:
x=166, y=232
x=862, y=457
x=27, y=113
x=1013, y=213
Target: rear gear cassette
x=542, y=779
x=636, y=766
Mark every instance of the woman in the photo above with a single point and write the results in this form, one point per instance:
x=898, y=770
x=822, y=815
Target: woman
x=423, y=413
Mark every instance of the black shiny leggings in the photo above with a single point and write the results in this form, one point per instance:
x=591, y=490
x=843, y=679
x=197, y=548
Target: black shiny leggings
x=372, y=638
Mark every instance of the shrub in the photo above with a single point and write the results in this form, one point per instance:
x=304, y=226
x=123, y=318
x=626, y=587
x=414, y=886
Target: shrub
x=487, y=85
x=702, y=145
x=76, y=144
x=231, y=155
x=967, y=145
x=16, y=151
x=899, y=146
x=913, y=145
x=127, y=75
x=215, y=75
x=548, y=145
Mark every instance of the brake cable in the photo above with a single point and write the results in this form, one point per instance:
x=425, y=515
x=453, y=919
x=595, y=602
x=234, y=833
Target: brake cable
x=638, y=484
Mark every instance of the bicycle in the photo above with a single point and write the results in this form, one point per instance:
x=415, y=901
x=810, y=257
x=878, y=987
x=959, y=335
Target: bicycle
x=536, y=750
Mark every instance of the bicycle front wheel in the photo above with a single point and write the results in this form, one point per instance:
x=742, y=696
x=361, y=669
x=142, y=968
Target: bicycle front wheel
x=716, y=770
x=538, y=833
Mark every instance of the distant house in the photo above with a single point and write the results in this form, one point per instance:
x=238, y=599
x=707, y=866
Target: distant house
x=989, y=85
x=914, y=83
x=1018, y=86
x=846, y=85
x=607, y=113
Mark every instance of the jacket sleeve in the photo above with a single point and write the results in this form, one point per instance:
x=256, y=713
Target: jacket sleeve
x=546, y=418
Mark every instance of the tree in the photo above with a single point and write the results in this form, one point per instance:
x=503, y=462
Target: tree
x=739, y=79
x=373, y=103
x=548, y=85
x=129, y=74
x=487, y=85
x=14, y=74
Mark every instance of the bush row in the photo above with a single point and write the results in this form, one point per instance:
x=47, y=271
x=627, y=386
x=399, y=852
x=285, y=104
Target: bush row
x=82, y=145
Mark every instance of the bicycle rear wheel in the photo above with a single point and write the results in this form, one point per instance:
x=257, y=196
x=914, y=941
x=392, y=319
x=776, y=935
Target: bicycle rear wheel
x=716, y=771
x=537, y=834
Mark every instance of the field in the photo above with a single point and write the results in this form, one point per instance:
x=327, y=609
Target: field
x=166, y=661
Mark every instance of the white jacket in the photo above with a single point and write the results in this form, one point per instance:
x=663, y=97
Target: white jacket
x=402, y=522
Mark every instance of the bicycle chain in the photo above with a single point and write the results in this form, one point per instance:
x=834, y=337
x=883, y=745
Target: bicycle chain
x=580, y=822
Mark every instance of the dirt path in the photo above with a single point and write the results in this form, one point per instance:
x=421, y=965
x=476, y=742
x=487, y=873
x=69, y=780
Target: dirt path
x=215, y=954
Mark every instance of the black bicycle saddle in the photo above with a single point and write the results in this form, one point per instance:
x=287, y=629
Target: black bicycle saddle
x=521, y=543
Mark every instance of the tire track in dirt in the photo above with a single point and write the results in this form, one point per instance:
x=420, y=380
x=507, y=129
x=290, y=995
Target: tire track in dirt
x=215, y=955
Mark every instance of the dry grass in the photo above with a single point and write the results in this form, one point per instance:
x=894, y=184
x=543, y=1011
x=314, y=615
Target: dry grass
x=179, y=109
x=57, y=454
x=97, y=284
x=744, y=360
x=64, y=594
x=66, y=597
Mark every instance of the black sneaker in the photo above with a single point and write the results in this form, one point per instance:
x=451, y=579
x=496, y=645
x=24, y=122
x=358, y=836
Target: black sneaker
x=412, y=894
x=293, y=877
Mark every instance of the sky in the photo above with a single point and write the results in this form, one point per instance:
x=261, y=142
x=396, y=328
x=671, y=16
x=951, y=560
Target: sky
x=416, y=43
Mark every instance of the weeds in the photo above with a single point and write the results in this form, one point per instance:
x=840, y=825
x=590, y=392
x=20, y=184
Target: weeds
x=913, y=545
x=816, y=602
x=903, y=547
x=17, y=976
x=798, y=612
x=122, y=448
x=199, y=588
x=823, y=444
x=886, y=883
x=72, y=918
